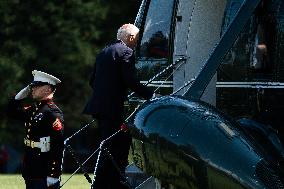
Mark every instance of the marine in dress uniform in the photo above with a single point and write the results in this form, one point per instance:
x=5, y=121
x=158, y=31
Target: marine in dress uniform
x=43, y=122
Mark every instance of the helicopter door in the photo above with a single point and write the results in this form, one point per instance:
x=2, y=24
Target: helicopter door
x=154, y=47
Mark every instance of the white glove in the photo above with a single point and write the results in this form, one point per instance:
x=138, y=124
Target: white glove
x=51, y=181
x=23, y=93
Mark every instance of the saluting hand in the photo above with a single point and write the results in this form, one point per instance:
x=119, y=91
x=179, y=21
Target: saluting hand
x=23, y=93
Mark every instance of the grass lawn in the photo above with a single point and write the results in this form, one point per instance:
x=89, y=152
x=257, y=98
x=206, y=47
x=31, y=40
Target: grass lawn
x=16, y=182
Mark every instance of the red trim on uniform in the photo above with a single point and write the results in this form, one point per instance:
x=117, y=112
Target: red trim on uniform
x=57, y=125
x=27, y=107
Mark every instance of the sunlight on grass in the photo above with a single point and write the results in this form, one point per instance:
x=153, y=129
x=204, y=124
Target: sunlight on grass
x=17, y=182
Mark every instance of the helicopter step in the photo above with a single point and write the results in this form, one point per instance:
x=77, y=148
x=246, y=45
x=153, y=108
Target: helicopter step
x=139, y=180
x=150, y=183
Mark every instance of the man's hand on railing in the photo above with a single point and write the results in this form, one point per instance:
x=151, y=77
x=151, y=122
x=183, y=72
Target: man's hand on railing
x=156, y=95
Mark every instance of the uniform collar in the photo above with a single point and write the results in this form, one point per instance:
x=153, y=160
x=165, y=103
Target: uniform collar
x=43, y=102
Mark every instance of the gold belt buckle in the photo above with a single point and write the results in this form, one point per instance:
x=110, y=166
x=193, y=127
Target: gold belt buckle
x=29, y=143
x=32, y=144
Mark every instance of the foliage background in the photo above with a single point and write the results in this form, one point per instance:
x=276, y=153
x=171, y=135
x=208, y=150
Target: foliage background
x=60, y=38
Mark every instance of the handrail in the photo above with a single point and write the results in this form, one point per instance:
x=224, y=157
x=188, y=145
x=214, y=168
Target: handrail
x=161, y=72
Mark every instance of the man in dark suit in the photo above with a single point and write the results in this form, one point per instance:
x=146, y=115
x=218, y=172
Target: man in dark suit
x=113, y=75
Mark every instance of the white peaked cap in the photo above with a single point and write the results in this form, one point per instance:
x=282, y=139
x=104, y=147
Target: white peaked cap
x=44, y=77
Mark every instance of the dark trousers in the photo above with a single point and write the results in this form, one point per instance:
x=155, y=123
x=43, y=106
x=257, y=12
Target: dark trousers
x=107, y=176
x=39, y=184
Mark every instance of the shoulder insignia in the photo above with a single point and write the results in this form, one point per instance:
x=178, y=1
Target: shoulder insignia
x=57, y=125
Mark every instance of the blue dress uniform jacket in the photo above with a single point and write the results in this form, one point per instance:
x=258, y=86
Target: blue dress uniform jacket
x=114, y=73
x=43, y=119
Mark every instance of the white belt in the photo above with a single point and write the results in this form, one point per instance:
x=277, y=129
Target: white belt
x=43, y=144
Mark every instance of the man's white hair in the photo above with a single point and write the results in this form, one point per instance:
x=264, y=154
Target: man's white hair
x=126, y=30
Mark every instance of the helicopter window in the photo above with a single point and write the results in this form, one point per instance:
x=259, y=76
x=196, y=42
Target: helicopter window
x=161, y=118
x=259, y=55
x=155, y=39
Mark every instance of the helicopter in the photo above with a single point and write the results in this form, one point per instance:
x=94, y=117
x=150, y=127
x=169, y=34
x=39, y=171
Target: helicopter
x=182, y=139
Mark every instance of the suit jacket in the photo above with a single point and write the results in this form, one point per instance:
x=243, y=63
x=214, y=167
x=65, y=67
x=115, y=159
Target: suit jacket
x=114, y=73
